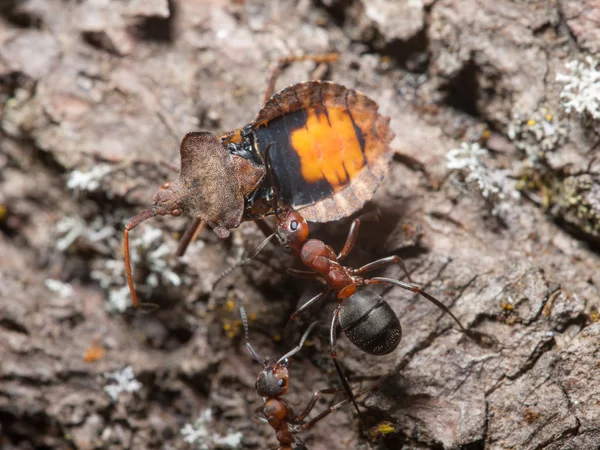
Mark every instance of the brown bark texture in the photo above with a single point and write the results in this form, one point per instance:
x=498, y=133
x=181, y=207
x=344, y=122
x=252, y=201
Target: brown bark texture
x=492, y=199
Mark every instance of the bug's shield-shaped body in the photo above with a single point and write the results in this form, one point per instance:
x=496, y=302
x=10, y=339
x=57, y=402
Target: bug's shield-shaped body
x=329, y=150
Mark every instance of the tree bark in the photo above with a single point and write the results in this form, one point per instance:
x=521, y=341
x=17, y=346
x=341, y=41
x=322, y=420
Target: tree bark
x=505, y=230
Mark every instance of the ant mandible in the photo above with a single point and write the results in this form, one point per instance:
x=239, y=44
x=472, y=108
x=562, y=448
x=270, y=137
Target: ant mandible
x=272, y=384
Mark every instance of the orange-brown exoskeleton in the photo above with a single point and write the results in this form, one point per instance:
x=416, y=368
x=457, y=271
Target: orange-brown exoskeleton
x=273, y=383
x=329, y=150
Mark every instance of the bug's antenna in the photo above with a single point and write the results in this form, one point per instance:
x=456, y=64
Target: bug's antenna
x=248, y=345
x=299, y=346
x=244, y=261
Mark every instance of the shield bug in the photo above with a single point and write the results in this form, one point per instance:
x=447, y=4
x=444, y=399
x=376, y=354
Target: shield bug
x=329, y=149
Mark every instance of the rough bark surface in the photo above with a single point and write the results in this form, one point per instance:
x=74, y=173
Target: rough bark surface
x=97, y=93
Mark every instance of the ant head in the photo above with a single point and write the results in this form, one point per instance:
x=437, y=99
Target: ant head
x=273, y=379
x=292, y=231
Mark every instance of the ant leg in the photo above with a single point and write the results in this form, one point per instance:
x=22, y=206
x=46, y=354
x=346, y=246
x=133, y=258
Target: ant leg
x=307, y=305
x=417, y=290
x=283, y=62
x=353, y=233
x=338, y=367
x=325, y=413
x=307, y=274
x=350, y=240
x=190, y=235
x=313, y=401
x=382, y=263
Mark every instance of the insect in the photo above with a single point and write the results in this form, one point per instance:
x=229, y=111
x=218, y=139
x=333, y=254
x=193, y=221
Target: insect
x=366, y=318
x=329, y=151
x=273, y=383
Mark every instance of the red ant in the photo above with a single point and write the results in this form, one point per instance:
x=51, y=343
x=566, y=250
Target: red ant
x=272, y=384
x=365, y=317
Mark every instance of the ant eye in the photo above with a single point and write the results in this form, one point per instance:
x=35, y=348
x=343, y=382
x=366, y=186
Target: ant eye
x=293, y=225
x=281, y=383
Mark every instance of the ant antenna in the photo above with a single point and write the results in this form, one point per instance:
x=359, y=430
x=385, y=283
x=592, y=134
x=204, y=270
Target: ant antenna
x=248, y=345
x=244, y=261
x=141, y=217
x=299, y=346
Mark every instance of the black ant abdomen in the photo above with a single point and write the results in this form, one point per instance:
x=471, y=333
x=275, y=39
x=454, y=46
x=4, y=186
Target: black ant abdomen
x=370, y=323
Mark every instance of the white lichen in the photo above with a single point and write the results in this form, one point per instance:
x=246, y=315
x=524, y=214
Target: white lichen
x=96, y=234
x=119, y=299
x=494, y=185
x=537, y=134
x=581, y=92
x=155, y=259
x=63, y=289
x=121, y=381
x=146, y=249
x=202, y=434
x=88, y=181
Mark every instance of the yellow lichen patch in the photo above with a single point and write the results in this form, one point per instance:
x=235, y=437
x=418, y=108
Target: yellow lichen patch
x=506, y=306
x=382, y=429
x=328, y=147
x=531, y=122
x=3, y=212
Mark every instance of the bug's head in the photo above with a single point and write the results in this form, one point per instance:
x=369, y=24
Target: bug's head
x=273, y=379
x=292, y=231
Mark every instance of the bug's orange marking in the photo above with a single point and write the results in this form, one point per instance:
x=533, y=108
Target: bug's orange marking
x=325, y=149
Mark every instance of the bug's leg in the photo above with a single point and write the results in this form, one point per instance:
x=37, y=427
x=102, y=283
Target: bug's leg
x=395, y=259
x=190, y=235
x=168, y=165
x=142, y=216
x=417, y=290
x=306, y=274
x=350, y=240
x=338, y=367
x=283, y=62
